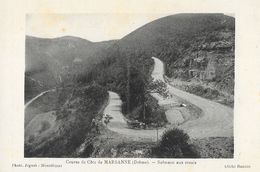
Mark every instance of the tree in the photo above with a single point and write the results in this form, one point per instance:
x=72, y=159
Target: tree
x=155, y=86
x=174, y=144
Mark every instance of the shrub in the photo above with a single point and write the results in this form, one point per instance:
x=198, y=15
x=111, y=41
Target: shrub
x=174, y=144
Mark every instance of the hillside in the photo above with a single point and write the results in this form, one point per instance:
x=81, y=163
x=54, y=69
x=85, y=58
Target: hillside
x=178, y=28
x=198, y=50
x=51, y=61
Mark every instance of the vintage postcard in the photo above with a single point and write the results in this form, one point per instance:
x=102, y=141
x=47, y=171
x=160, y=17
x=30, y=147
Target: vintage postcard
x=99, y=87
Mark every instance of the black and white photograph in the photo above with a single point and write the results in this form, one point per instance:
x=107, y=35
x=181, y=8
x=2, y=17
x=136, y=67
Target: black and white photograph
x=129, y=85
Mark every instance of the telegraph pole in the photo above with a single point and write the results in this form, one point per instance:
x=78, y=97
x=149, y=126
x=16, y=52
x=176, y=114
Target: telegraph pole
x=157, y=132
x=128, y=83
x=144, y=93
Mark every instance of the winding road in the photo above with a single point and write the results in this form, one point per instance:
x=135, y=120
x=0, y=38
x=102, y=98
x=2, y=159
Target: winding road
x=118, y=123
x=217, y=120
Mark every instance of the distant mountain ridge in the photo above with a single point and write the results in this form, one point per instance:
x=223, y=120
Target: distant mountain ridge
x=47, y=58
x=63, y=49
x=171, y=27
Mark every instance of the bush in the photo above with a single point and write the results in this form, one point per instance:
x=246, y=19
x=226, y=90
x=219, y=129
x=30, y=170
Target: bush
x=174, y=137
x=174, y=144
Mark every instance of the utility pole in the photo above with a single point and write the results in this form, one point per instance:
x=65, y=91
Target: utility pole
x=144, y=93
x=157, y=132
x=197, y=49
x=128, y=82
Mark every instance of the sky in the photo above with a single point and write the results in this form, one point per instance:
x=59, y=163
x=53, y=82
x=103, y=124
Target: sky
x=93, y=27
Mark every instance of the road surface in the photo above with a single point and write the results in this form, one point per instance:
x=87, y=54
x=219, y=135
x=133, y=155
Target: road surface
x=118, y=123
x=217, y=120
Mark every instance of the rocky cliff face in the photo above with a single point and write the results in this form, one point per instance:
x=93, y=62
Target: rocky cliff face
x=209, y=58
x=208, y=62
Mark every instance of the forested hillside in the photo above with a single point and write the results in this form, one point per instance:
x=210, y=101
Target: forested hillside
x=127, y=73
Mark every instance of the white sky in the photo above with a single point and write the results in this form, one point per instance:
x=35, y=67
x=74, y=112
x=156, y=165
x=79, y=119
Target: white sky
x=93, y=27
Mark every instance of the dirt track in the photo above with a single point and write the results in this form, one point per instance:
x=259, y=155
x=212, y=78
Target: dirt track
x=36, y=97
